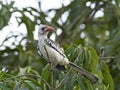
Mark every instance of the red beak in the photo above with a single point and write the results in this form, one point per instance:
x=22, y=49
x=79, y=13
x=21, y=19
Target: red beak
x=50, y=28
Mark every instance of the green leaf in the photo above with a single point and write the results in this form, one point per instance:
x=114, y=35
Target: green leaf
x=46, y=72
x=94, y=65
x=30, y=85
x=94, y=59
x=107, y=78
x=17, y=85
x=3, y=86
x=81, y=85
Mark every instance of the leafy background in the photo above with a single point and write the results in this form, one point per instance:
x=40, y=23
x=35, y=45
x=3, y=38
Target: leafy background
x=89, y=41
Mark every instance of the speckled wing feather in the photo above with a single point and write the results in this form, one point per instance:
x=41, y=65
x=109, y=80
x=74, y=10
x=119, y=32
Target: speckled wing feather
x=55, y=46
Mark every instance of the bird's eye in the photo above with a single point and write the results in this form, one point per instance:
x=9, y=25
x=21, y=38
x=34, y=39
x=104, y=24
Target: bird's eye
x=43, y=28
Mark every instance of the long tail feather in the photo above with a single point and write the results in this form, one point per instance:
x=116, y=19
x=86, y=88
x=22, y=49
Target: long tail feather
x=84, y=72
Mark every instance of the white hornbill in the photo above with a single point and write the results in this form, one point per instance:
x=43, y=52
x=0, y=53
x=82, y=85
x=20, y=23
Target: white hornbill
x=54, y=54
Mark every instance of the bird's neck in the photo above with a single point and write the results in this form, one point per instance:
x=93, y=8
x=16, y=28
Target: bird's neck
x=42, y=37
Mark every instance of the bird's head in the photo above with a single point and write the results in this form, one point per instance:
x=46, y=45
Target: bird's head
x=44, y=29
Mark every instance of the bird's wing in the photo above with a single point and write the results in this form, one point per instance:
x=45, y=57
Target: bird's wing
x=55, y=46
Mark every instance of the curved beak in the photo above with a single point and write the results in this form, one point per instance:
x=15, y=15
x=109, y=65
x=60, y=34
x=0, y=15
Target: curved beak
x=50, y=28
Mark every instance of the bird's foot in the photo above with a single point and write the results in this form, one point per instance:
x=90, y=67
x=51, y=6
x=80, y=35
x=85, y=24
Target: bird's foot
x=52, y=66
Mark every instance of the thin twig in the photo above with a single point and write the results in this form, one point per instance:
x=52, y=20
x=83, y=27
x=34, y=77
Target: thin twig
x=62, y=81
x=103, y=58
x=52, y=82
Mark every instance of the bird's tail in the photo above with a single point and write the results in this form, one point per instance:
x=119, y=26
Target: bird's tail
x=84, y=72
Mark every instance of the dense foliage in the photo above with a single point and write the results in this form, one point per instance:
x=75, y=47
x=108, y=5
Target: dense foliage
x=82, y=36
